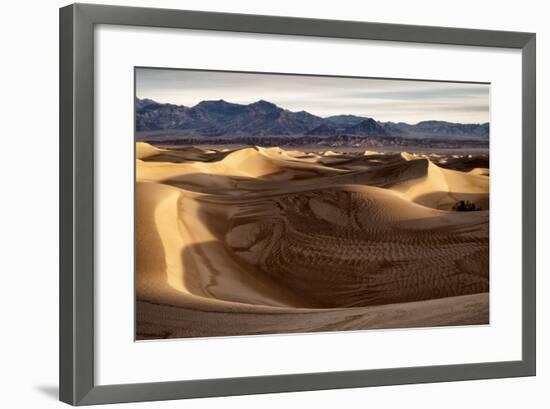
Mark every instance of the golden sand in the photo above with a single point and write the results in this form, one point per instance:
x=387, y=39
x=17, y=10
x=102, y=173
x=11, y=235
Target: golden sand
x=264, y=240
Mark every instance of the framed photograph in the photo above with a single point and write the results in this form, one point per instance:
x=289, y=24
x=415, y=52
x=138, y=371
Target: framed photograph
x=258, y=204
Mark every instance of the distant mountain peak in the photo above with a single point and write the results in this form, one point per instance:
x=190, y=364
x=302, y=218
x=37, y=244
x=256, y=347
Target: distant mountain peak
x=434, y=122
x=368, y=127
x=345, y=120
x=146, y=102
x=262, y=103
x=215, y=102
x=263, y=118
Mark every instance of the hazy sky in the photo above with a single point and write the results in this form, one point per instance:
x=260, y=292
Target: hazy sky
x=384, y=100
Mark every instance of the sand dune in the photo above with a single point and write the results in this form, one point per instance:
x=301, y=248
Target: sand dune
x=442, y=188
x=480, y=171
x=145, y=150
x=264, y=240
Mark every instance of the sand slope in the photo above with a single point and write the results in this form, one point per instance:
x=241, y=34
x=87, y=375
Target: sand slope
x=441, y=188
x=263, y=240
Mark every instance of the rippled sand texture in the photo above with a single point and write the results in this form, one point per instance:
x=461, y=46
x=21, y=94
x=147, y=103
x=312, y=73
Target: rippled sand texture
x=265, y=240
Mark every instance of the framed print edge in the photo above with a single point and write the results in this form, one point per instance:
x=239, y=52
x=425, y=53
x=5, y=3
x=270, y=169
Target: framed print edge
x=529, y=203
x=76, y=206
x=76, y=281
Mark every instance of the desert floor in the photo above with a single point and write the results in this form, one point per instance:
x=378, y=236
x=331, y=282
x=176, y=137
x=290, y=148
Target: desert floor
x=265, y=240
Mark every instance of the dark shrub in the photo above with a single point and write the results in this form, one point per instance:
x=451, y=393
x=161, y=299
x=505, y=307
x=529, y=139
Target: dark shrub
x=465, y=206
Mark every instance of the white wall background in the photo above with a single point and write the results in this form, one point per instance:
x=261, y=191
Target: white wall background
x=28, y=203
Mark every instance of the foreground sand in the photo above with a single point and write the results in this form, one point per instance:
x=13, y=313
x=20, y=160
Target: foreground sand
x=265, y=240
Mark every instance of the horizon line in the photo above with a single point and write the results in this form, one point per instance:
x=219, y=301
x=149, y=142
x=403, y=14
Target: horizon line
x=319, y=116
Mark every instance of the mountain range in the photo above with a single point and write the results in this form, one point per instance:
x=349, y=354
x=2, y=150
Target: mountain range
x=222, y=119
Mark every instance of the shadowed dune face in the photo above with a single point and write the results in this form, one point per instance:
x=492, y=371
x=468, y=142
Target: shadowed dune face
x=306, y=242
x=352, y=246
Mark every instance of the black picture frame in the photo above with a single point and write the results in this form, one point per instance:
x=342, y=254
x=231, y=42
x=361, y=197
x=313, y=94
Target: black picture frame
x=77, y=385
